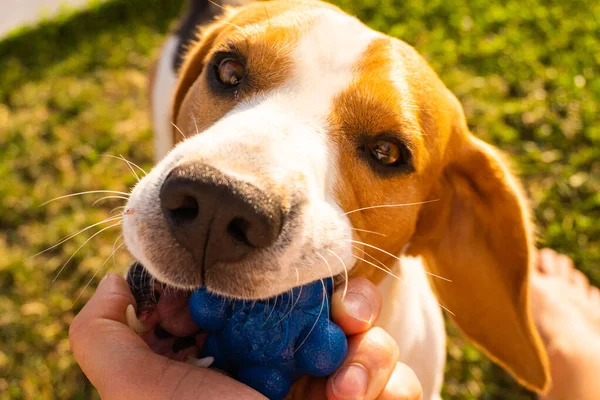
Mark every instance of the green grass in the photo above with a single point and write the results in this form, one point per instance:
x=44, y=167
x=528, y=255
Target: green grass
x=74, y=88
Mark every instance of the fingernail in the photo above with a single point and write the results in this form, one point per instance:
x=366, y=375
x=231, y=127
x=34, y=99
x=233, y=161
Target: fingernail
x=350, y=382
x=358, y=306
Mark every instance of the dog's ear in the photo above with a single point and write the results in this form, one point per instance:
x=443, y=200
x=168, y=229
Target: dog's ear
x=479, y=236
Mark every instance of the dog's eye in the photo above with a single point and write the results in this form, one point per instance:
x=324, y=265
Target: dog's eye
x=386, y=152
x=230, y=72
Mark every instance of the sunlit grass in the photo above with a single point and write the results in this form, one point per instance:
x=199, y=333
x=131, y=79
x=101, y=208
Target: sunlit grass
x=74, y=89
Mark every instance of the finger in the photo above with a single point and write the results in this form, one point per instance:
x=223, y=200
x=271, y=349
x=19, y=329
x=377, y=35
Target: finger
x=372, y=357
x=101, y=320
x=545, y=261
x=578, y=278
x=564, y=264
x=308, y=387
x=403, y=385
x=120, y=364
x=359, y=309
x=110, y=300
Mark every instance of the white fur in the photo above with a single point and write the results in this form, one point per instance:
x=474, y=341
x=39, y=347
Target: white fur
x=283, y=136
x=325, y=59
x=412, y=316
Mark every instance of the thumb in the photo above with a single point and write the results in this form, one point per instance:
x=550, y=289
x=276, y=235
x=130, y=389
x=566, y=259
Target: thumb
x=105, y=348
x=120, y=364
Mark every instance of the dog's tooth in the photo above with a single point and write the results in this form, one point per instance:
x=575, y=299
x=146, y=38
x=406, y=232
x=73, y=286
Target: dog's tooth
x=201, y=362
x=134, y=322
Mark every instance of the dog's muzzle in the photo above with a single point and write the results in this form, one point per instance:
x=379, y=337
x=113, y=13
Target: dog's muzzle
x=217, y=217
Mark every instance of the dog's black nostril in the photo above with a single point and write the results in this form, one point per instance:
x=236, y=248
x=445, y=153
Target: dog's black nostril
x=216, y=217
x=237, y=229
x=186, y=210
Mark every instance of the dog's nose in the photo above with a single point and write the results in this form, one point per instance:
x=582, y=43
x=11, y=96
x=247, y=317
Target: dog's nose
x=217, y=217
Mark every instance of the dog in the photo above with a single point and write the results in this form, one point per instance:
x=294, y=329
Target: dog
x=294, y=143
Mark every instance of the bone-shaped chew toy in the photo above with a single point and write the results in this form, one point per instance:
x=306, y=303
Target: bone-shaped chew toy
x=268, y=344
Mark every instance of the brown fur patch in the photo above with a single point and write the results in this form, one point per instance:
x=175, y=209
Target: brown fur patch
x=264, y=34
x=376, y=105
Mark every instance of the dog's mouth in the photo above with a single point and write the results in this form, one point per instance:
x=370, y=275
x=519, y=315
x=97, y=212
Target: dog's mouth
x=166, y=322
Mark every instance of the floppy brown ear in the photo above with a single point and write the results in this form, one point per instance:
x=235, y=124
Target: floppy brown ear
x=479, y=236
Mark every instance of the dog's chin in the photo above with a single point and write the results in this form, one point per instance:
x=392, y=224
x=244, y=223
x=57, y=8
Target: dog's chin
x=258, y=279
x=238, y=287
x=226, y=280
x=184, y=277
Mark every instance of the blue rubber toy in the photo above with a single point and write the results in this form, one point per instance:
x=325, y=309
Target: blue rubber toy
x=269, y=344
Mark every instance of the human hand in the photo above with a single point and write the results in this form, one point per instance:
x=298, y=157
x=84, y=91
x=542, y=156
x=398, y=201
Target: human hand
x=371, y=370
x=120, y=364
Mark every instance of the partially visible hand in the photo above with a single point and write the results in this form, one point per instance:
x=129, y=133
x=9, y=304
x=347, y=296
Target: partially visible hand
x=121, y=366
x=371, y=370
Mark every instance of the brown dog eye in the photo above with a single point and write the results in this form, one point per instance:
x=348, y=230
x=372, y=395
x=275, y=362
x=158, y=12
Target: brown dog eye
x=385, y=152
x=230, y=72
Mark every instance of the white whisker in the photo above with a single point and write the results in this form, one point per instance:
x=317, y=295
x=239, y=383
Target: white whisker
x=117, y=217
x=79, y=248
x=109, y=197
x=326, y=298
x=396, y=257
x=134, y=164
x=396, y=277
x=294, y=304
x=96, y=273
x=390, y=273
x=368, y=231
x=216, y=5
x=316, y=320
x=371, y=257
x=116, y=208
x=330, y=270
x=232, y=24
x=121, y=158
x=137, y=177
x=82, y=193
x=180, y=131
x=196, y=126
x=345, y=273
x=272, y=310
x=151, y=284
x=390, y=206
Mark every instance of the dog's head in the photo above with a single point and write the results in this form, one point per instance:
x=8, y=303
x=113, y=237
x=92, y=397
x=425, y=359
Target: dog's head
x=317, y=146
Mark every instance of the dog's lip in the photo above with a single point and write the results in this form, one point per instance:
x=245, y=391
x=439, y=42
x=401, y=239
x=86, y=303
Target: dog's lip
x=174, y=313
x=165, y=312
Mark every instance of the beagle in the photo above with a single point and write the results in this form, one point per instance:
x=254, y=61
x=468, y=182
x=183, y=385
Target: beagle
x=294, y=143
